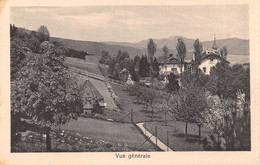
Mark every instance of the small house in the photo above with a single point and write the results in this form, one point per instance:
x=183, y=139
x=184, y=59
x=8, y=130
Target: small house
x=172, y=65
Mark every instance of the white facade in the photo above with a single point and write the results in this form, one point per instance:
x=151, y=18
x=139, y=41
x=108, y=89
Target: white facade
x=206, y=64
x=171, y=68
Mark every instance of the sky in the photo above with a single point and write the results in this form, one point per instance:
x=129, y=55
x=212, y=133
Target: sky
x=136, y=23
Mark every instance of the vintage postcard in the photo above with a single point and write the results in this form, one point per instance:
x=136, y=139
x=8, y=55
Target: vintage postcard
x=129, y=83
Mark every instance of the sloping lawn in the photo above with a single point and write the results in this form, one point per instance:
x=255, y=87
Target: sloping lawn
x=127, y=103
x=108, y=131
x=67, y=141
x=177, y=139
x=83, y=64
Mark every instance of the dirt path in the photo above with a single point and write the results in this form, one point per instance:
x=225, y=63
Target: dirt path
x=160, y=144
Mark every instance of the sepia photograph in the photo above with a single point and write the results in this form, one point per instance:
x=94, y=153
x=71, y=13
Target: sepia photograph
x=130, y=78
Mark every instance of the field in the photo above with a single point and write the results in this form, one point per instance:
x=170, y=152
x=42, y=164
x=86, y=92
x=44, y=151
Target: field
x=177, y=139
x=108, y=131
x=90, y=65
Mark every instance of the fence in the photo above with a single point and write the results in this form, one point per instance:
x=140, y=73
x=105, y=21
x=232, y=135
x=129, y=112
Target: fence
x=149, y=136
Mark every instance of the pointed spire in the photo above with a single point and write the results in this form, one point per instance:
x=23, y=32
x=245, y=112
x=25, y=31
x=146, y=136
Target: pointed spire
x=214, y=46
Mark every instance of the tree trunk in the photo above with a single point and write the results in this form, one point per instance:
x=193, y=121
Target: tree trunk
x=165, y=118
x=48, y=139
x=199, y=132
x=186, y=128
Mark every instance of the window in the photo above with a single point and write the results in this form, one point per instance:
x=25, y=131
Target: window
x=204, y=69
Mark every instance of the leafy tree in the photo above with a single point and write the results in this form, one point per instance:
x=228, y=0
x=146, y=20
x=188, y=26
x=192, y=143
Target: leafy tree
x=193, y=105
x=44, y=91
x=151, y=48
x=181, y=49
x=197, y=49
x=147, y=96
x=224, y=52
x=156, y=68
x=173, y=84
x=17, y=57
x=225, y=81
x=45, y=33
x=144, y=67
x=105, y=57
x=13, y=30
x=165, y=52
x=229, y=121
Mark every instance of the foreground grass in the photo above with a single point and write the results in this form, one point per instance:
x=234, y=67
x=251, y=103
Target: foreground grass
x=177, y=139
x=67, y=141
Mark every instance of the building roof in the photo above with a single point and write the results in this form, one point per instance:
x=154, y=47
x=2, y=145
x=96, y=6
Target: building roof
x=212, y=55
x=90, y=91
x=172, y=60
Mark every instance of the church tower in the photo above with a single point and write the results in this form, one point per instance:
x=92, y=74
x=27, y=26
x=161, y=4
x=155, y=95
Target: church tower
x=214, y=46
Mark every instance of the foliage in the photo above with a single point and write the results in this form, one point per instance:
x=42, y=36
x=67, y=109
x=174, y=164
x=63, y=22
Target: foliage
x=197, y=78
x=135, y=69
x=17, y=56
x=229, y=121
x=76, y=54
x=45, y=33
x=156, y=68
x=181, y=49
x=144, y=67
x=44, y=90
x=173, y=84
x=224, y=52
x=105, y=57
x=197, y=49
x=225, y=81
x=190, y=105
x=151, y=48
x=165, y=52
x=13, y=30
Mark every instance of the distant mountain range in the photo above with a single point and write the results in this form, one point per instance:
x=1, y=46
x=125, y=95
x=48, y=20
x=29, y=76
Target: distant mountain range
x=235, y=46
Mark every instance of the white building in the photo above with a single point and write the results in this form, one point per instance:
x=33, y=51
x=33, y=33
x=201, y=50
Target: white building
x=209, y=61
x=210, y=58
x=172, y=65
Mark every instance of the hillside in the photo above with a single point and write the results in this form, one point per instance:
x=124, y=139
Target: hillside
x=97, y=47
x=234, y=45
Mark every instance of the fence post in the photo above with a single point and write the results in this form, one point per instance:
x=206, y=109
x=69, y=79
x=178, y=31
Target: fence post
x=167, y=139
x=156, y=135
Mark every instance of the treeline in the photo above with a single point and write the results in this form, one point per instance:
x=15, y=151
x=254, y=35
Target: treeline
x=76, y=54
x=137, y=67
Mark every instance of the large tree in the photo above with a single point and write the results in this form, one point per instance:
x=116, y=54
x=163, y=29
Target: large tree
x=45, y=33
x=181, y=49
x=44, y=91
x=173, y=84
x=229, y=121
x=224, y=52
x=156, y=68
x=144, y=67
x=151, y=48
x=225, y=81
x=165, y=51
x=197, y=49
